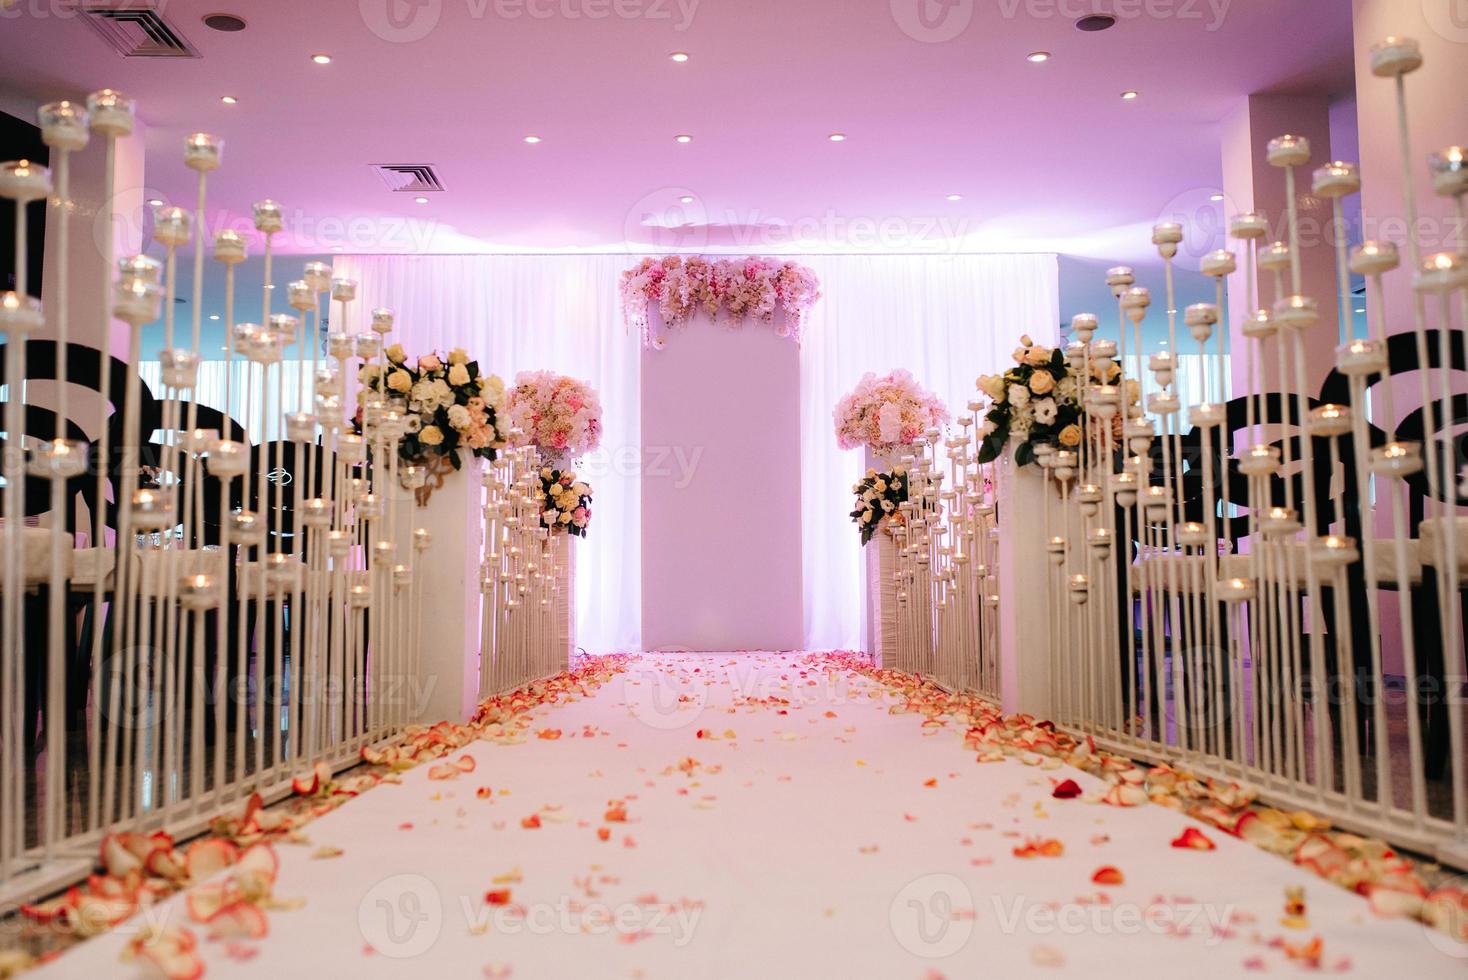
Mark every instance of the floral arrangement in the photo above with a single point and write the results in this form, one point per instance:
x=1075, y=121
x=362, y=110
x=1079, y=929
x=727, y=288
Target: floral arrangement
x=886, y=413
x=878, y=496
x=449, y=405
x=1039, y=402
x=558, y=415
x=565, y=502
x=727, y=289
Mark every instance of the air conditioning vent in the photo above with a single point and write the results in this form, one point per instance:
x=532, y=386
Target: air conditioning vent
x=135, y=30
x=409, y=178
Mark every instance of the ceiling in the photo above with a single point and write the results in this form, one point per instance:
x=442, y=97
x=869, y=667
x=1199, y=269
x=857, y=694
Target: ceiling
x=1046, y=156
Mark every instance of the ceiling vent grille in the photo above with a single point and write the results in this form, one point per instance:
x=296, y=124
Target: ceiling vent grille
x=409, y=178
x=135, y=30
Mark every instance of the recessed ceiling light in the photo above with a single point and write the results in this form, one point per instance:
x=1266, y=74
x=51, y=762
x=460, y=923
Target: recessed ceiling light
x=679, y=56
x=1360, y=309
x=1096, y=22
x=214, y=316
x=837, y=137
x=156, y=202
x=955, y=197
x=1215, y=197
x=686, y=199
x=1036, y=57
x=683, y=138
x=532, y=139
x=336, y=248
x=1129, y=95
x=420, y=200
x=228, y=99
x=1162, y=343
x=321, y=59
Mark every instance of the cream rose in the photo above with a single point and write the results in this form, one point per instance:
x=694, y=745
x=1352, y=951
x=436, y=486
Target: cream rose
x=432, y=435
x=400, y=381
x=396, y=354
x=458, y=356
x=1042, y=382
x=1037, y=356
x=458, y=375
x=1070, y=435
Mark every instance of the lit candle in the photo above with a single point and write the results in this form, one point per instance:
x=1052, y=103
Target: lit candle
x=1297, y=312
x=228, y=458
x=1288, y=151
x=300, y=296
x=1393, y=56
x=171, y=226
x=180, y=368
x=1442, y=272
x=58, y=459
x=20, y=315
x=1361, y=357
x=318, y=274
x=1248, y=225
x=1449, y=176
x=268, y=218
x=1219, y=263
x=203, y=152
x=343, y=290
x=382, y=320
x=23, y=181
x=64, y=125
x=137, y=301
x=112, y=113
x=1275, y=257
x=1372, y=258
x=1336, y=179
x=229, y=248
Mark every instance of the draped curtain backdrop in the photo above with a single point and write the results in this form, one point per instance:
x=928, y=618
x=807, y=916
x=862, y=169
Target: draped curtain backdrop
x=537, y=312
x=947, y=319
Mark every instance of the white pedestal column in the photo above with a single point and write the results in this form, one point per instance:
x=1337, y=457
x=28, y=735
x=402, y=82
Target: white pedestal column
x=1024, y=589
x=881, y=562
x=448, y=640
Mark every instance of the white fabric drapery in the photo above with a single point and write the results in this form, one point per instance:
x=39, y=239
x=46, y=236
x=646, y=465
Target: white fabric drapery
x=538, y=312
x=945, y=318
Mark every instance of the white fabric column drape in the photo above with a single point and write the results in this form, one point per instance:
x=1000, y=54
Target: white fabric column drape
x=945, y=318
x=539, y=312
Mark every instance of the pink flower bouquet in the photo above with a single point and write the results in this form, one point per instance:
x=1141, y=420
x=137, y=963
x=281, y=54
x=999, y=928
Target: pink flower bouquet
x=886, y=413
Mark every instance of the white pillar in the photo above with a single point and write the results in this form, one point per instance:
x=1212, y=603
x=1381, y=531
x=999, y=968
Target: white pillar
x=1024, y=589
x=449, y=616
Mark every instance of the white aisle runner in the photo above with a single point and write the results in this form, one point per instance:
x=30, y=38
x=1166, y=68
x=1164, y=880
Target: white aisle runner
x=817, y=835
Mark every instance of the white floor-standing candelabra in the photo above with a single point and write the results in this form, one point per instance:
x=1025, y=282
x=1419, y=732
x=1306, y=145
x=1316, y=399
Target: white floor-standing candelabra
x=238, y=635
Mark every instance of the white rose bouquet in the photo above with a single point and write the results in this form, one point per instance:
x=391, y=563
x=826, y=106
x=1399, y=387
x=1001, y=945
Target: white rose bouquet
x=1039, y=400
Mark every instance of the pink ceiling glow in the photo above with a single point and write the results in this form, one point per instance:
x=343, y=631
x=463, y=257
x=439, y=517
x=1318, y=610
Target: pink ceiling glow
x=936, y=98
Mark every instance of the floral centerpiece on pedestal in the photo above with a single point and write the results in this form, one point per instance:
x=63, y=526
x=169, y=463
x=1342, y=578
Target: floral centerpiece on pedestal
x=449, y=405
x=565, y=502
x=558, y=415
x=1038, y=401
x=726, y=289
x=886, y=413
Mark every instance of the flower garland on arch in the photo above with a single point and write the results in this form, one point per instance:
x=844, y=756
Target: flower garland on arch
x=728, y=290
